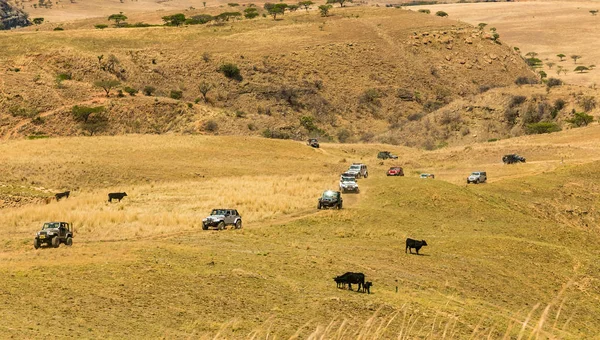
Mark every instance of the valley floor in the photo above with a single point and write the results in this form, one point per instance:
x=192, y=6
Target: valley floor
x=515, y=256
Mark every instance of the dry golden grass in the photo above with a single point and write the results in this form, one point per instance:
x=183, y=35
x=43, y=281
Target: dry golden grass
x=545, y=27
x=512, y=258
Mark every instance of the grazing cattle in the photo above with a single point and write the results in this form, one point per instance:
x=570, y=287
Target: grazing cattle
x=367, y=287
x=116, y=195
x=410, y=244
x=350, y=278
x=62, y=194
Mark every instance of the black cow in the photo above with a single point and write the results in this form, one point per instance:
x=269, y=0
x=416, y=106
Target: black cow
x=62, y=194
x=410, y=244
x=116, y=195
x=367, y=287
x=350, y=278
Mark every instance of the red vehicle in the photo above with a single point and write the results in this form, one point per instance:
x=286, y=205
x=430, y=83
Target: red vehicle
x=395, y=171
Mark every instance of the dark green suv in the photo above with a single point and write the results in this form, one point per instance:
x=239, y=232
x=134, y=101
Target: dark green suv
x=53, y=234
x=330, y=199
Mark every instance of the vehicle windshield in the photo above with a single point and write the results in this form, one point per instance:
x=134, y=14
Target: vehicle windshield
x=355, y=167
x=395, y=168
x=329, y=194
x=51, y=225
x=218, y=212
x=348, y=179
x=475, y=174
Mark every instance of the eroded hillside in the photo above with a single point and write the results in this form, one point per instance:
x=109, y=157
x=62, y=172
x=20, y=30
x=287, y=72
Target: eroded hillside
x=350, y=76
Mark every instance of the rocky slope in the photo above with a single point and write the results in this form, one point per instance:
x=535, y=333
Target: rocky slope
x=11, y=17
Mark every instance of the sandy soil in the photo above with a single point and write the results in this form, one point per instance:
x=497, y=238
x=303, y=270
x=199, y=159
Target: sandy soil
x=547, y=28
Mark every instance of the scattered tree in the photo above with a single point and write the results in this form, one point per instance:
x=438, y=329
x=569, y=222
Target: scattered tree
x=275, y=9
x=341, y=2
x=83, y=113
x=250, y=13
x=441, y=14
x=581, y=68
x=101, y=26
x=424, y=10
x=233, y=4
x=324, y=9
x=594, y=12
x=204, y=88
x=107, y=85
x=543, y=74
x=117, y=18
x=550, y=64
x=575, y=57
x=561, y=56
x=481, y=26
x=38, y=21
x=306, y=4
x=580, y=119
x=174, y=20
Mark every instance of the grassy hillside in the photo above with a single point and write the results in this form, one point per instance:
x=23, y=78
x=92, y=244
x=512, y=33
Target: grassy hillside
x=515, y=256
x=351, y=76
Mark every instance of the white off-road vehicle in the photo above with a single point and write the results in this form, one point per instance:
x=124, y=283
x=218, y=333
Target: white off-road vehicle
x=358, y=170
x=348, y=183
x=221, y=218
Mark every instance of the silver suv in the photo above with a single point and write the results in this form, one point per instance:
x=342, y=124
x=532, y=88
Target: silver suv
x=477, y=177
x=358, y=170
x=348, y=183
x=221, y=218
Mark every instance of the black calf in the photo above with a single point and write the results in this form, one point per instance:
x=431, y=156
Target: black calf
x=116, y=195
x=62, y=194
x=410, y=244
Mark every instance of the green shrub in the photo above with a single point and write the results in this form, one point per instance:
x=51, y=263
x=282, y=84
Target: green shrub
x=343, y=135
x=424, y=10
x=231, y=71
x=131, y=91
x=176, y=94
x=542, y=127
x=149, y=90
x=552, y=82
x=277, y=134
x=101, y=26
x=516, y=100
x=211, y=126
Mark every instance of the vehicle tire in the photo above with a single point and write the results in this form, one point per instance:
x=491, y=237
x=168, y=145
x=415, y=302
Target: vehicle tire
x=36, y=243
x=319, y=206
x=339, y=206
x=238, y=224
x=69, y=241
x=221, y=226
x=204, y=226
x=366, y=174
x=55, y=242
